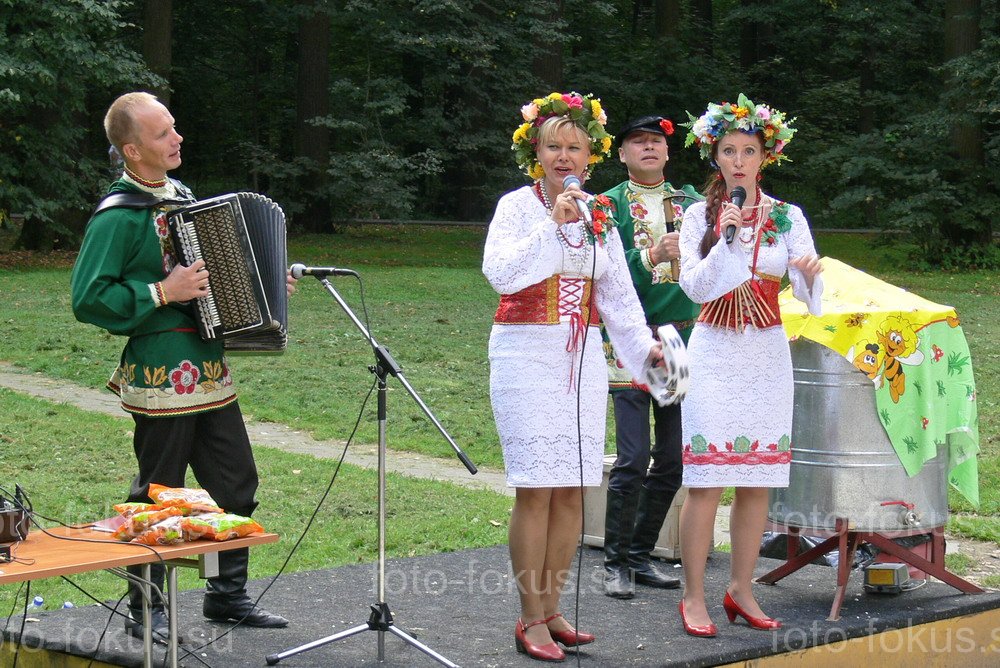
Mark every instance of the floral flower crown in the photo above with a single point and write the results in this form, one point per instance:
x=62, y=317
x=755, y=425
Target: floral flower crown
x=721, y=119
x=583, y=109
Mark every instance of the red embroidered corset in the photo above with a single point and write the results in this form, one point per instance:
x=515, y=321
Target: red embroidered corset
x=556, y=299
x=753, y=303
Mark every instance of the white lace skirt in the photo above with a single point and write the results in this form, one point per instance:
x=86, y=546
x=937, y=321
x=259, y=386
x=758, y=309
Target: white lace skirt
x=737, y=416
x=536, y=409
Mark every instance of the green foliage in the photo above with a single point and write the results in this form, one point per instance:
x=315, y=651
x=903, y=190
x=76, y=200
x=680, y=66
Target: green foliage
x=75, y=465
x=59, y=64
x=430, y=305
x=424, y=97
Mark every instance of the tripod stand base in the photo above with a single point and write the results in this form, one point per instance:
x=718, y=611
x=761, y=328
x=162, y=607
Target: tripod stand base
x=379, y=621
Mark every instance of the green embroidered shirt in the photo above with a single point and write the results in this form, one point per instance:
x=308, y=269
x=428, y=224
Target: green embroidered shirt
x=641, y=227
x=165, y=368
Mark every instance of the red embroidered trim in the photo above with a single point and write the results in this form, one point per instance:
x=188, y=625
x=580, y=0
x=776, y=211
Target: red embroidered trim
x=187, y=410
x=726, y=458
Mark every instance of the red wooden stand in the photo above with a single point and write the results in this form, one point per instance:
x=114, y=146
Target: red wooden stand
x=846, y=541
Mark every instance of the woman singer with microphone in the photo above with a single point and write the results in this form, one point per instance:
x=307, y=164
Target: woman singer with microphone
x=737, y=416
x=555, y=271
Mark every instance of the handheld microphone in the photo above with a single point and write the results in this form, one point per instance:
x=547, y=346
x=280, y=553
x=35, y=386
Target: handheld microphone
x=738, y=196
x=300, y=270
x=572, y=180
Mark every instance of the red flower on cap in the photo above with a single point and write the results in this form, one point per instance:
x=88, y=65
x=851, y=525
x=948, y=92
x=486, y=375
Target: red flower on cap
x=666, y=126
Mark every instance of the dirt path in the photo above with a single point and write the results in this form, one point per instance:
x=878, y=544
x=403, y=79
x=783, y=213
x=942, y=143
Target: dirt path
x=266, y=433
x=985, y=556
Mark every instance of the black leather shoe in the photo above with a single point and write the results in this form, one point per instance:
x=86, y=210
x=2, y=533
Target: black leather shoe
x=618, y=582
x=161, y=627
x=242, y=610
x=652, y=574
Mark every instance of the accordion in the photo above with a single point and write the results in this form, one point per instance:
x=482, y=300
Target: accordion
x=241, y=238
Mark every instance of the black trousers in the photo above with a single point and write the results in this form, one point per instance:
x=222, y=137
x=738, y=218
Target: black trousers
x=214, y=444
x=635, y=451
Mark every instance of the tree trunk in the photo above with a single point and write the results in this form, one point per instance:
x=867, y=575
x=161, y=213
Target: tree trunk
x=667, y=18
x=866, y=114
x=703, y=28
x=748, y=39
x=157, y=24
x=38, y=234
x=962, y=37
x=313, y=101
x=547, y=64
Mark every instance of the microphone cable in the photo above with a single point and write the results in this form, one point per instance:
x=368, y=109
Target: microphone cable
x=28, y=509
x=589, y=305
x=322, y=499
x=579, y=441
x=185, y=652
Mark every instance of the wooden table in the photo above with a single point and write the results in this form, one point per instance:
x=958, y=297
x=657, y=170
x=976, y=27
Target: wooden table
x=63, y=551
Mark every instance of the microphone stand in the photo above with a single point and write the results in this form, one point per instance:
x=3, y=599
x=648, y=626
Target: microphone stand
x=380, y=619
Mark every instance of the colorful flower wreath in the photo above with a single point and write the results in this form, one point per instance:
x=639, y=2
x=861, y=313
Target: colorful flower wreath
x=584, y=109
x=721, y=119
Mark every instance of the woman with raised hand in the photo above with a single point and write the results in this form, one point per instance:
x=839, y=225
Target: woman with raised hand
x=737, y=416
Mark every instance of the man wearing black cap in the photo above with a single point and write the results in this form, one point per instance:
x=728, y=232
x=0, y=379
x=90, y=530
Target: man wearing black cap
x=649, y=212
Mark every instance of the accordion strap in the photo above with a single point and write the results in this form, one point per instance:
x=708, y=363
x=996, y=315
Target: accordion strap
x=137, y=200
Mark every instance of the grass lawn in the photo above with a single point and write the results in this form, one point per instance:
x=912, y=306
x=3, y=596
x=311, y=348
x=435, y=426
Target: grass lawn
x=76, y=465
x=429, y=304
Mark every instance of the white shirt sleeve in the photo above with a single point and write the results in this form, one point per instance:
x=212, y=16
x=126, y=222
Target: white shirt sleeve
x=707, y=278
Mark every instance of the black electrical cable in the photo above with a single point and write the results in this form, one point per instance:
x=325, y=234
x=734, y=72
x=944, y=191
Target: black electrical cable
x=319, y=504
x=114, y=611
x=579, y=441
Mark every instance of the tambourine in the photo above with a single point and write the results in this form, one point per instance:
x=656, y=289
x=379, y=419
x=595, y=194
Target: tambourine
x=668, y=383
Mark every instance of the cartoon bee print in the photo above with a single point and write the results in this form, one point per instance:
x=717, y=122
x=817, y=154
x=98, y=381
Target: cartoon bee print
x=867, y=359
x=898, y=339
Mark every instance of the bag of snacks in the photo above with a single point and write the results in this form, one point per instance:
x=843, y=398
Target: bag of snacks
x=219, y=526
x=168, y=532
x=129, y=509
x=193, y=500
x=139, y=522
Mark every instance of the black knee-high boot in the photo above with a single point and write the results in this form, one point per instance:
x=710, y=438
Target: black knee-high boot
x=619, y=519
x=653, y=508
x=226, y=597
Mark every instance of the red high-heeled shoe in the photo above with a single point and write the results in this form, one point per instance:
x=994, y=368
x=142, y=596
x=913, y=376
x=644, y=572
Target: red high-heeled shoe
x=733, y=608
x=707, y=631
x=570, y=637
x=547, y=652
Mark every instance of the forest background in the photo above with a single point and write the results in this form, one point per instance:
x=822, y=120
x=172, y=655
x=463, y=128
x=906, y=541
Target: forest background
x=390, y=109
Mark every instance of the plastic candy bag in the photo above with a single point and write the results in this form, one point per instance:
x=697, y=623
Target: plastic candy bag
x=141, y=521
x=129, y=509
x=191, y=499
x=220, y=526
x=168, y=532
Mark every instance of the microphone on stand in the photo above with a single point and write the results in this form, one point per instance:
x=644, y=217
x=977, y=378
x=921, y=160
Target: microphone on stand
x=300, y=270
x=572, y=180
x=738, y=196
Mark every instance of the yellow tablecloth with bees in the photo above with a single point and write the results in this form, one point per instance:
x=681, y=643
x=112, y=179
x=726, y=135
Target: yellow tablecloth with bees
x=915, y=353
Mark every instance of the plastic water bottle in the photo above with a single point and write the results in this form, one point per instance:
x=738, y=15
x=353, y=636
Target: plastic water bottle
x=37, y=603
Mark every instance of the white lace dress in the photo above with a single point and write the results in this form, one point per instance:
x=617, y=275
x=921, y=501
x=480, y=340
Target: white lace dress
x=737, y=416
x=534, y=369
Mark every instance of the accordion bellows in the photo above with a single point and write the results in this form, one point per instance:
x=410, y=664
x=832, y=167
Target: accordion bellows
x=241, y=238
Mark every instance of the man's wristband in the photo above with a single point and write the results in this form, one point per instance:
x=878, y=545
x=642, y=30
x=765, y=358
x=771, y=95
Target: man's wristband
x=158, y=295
